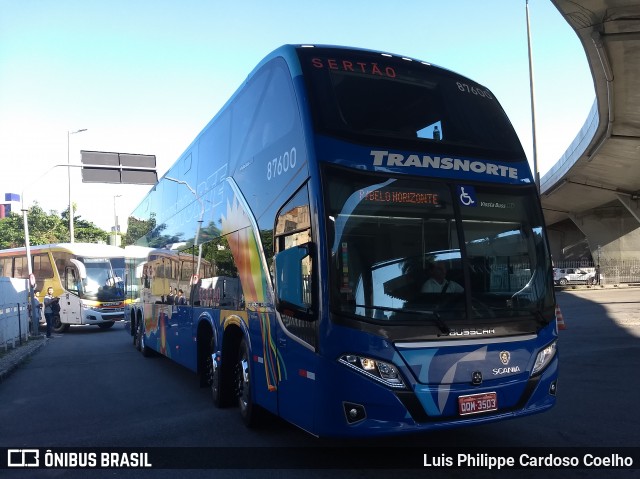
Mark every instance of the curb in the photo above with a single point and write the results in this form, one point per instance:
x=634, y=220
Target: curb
x=13, y=358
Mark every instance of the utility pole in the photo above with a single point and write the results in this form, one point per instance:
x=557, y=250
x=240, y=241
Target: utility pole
x=536, y=174
x=71, y=233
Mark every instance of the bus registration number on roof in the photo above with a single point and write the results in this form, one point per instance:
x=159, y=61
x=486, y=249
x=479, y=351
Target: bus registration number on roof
x=476, y=403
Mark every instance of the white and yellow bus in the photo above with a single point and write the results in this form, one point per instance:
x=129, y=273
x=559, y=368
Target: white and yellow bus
x=86, y=277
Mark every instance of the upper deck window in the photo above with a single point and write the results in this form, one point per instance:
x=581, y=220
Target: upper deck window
x=356, y=94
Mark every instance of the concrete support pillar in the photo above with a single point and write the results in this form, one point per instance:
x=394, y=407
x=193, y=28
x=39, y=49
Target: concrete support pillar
x=632, y=206
x=567, y=242
x=612, y=231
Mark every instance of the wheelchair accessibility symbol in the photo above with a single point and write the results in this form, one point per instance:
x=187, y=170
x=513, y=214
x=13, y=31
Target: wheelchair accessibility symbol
x=467, y=195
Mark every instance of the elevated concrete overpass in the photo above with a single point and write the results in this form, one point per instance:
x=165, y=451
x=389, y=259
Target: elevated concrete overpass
x=591, y=196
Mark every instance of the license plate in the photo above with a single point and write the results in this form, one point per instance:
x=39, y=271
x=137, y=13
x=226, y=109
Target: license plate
x=476, y=403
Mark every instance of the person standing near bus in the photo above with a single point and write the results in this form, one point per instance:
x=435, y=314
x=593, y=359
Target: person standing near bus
x=35, y=308
x=170, y=296
x=48, y=311
x=596, y=277
x=180, y=299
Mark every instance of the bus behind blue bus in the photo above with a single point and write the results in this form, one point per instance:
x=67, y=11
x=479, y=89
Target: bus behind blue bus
x=360, y=250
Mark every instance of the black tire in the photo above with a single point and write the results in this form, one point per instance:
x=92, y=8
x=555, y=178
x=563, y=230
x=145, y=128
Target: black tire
x=133, y=329
x=217, y=378
x=242, y=376
x=105, y=326
x=134, y=333
x=562, y=281
x=146, y=352
x=58, y=326
x=136, y=336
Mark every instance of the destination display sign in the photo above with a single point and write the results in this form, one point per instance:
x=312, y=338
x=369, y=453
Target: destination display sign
x=398, y=197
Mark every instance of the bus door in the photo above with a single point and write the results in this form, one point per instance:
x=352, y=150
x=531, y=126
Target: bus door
x=70, y=309
x=296, y=337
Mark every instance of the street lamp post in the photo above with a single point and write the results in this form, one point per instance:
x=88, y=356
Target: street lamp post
x=33, y=318
x=115, y=221
x=71, y=233
x=536, y=174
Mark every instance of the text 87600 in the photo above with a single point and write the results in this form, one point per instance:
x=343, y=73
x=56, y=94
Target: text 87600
x=281, y=164
x=474, y=90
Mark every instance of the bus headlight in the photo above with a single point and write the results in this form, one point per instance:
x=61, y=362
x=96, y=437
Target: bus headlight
x=544, y=358
x=381, y=371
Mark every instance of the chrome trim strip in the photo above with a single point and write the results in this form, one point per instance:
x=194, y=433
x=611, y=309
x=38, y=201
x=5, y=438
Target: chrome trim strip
x=469, y=342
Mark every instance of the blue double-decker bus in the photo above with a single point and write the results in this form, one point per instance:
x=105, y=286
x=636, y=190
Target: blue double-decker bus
x=360, y=250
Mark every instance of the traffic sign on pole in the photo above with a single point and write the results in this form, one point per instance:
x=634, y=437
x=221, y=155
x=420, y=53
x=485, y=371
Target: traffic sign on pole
x=111, y=167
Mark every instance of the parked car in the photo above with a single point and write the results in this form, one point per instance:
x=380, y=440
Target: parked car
x=564, y=276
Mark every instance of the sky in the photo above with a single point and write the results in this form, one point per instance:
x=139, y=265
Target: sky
x=145, y=77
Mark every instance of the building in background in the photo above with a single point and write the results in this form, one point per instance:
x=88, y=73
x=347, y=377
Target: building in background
x=11, y=203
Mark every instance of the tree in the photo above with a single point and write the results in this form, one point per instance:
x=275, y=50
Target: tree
x=45, y=228
x=84, y=231
x=137, y=229
x=219, y=254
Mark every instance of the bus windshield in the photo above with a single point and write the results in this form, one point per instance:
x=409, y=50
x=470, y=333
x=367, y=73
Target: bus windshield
x=358, y=94
x=101, y=283
x=401, y=248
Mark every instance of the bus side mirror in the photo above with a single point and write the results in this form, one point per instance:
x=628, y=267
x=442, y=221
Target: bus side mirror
x=293, y=282
x=82, y=271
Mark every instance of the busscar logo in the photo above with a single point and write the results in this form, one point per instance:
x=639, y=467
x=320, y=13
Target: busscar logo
x=471, y=332
x=23, y=458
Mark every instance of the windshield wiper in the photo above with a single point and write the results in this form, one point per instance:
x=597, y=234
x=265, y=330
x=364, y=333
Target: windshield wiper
x=444, y=329
x=539, y=318
x=537, y=315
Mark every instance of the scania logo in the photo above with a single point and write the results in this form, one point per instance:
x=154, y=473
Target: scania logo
x=476, y=378
x=505, y=356
x=509, y=370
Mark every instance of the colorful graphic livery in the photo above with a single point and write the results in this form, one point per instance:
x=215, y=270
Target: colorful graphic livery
x=355, y=244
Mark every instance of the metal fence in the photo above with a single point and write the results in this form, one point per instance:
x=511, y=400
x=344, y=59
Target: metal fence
x=611, y=271
x=14, y=325
x=14, y=315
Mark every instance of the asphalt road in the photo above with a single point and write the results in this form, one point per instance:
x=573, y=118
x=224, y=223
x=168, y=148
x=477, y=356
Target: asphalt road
x=91, y=388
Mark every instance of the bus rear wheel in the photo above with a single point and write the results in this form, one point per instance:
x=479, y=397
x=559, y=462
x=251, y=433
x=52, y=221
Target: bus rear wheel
x=133, y=329
x=140, y=344
x=248, y=410
x=58, y=325
x=136, y=336
x=217, y=378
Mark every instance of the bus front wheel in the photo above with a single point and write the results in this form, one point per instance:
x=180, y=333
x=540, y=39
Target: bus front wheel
x=58, y=325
